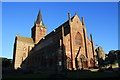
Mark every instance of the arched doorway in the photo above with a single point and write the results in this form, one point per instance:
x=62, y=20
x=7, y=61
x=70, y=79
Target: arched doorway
x=83, y=62
x=69, y=66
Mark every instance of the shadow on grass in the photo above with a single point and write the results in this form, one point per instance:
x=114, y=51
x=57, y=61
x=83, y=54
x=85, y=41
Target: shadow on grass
x=66, y=75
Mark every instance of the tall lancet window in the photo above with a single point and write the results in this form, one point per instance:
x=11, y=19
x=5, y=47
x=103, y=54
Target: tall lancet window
x=78, y=39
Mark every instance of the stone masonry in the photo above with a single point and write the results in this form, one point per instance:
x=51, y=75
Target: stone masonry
x=66, y=47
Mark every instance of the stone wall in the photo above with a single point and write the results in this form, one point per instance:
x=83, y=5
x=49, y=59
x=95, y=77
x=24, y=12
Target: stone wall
x=48, y=53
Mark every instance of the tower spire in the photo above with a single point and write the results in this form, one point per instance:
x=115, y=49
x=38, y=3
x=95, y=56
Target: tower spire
x=39, y=19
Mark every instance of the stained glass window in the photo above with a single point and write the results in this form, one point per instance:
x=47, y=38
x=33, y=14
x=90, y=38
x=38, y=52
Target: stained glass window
x=78, y=39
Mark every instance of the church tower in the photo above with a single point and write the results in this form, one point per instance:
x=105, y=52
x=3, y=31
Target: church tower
x=38, y=30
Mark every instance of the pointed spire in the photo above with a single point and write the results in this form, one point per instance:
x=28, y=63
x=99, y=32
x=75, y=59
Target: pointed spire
x=39, y=19
x=68, y=16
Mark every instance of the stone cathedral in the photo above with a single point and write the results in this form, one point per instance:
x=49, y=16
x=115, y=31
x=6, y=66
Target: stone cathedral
x=66, y=47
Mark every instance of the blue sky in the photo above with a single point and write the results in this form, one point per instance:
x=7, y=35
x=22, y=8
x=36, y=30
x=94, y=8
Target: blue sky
x=101, y=20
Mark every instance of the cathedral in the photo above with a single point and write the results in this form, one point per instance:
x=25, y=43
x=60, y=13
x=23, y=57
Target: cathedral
x=66, y=47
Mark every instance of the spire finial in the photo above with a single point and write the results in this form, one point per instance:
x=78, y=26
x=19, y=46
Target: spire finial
x=91, y=37
x=69, y=15
x=39, y=19
x=82, y=20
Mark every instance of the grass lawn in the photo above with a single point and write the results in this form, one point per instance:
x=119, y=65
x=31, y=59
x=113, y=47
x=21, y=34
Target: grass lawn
x=67, y=75
x=92, y=74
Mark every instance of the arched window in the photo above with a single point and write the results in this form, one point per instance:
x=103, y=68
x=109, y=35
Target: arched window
x=78, y=39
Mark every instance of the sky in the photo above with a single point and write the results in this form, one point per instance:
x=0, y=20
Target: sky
x=101, y=19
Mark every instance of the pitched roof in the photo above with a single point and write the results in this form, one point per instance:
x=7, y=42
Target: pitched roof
x=52, y=33
x=24, y=39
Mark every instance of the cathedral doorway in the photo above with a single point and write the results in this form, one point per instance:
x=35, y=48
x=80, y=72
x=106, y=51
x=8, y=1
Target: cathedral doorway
x=83, y=62
x=69, y=66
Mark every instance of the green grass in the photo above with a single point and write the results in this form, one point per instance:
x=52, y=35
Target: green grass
x=92, y=75
x=45, y=75
x=68, y=75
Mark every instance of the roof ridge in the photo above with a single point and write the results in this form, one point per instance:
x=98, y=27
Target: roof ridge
x=22, y=36
x=24, y=39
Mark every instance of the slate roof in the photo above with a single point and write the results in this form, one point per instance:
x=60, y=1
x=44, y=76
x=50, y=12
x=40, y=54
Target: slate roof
x=39, y=19
x=24, y=39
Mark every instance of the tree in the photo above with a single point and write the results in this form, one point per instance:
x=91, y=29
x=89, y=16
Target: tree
x=101, y=62
x=112, y=56
x=6, y=62
x=118, y=57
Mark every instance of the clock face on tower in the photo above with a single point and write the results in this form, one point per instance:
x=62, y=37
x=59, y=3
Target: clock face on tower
x=41, y=28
